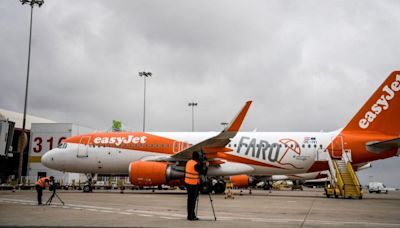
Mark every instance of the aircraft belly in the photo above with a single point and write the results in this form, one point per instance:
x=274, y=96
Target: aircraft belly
x=229, y=169
x=107, y=161
x=260, y=170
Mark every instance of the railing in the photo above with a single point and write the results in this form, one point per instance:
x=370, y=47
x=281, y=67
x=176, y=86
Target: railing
x=332, y=170
x=354, y=178
x=339, y=179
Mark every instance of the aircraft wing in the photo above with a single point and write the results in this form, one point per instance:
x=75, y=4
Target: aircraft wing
x=379, y=147
x=217, y=143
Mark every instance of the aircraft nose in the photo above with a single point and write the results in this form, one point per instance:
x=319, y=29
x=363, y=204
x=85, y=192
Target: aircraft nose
x=46, y=158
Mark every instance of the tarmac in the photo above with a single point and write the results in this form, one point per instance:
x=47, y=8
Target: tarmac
x=167, y=208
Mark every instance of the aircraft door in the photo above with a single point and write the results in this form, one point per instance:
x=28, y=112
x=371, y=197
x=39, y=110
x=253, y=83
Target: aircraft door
x=176, y=147
x=179, y=146
x=336, y=148
x=83, y=147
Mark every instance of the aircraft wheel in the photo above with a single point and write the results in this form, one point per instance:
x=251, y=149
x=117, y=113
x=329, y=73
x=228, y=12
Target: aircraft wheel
x=87, y=188
x=219, y=187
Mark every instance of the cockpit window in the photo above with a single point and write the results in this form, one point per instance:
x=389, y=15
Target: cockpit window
x=62, y=146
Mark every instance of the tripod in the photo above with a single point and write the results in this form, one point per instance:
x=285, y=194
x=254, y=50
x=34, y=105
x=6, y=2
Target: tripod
x=52, y=196
x=211, y=201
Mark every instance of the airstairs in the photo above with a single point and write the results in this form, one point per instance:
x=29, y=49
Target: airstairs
x=344, y=181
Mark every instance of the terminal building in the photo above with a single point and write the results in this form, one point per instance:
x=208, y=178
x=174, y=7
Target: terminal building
x=43, y=135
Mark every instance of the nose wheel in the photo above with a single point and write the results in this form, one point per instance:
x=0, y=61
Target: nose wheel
x=88, y=185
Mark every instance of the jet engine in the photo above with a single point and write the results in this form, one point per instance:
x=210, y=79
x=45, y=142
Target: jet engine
x=241, y=180
x=148, y=173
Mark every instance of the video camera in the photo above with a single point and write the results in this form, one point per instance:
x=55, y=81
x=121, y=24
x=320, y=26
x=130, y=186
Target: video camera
x=53, y=186
x=203, y=163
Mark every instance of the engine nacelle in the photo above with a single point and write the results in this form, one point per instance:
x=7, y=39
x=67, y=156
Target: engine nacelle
x=148, y=173
x=241, y=180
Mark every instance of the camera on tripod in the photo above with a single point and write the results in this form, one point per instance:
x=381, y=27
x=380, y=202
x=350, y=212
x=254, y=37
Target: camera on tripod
x=53, y=187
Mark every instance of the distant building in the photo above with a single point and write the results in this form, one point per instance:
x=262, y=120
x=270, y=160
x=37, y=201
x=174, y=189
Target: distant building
x=43, y=135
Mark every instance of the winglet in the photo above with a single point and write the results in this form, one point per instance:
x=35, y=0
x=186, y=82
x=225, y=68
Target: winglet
x=234, y=126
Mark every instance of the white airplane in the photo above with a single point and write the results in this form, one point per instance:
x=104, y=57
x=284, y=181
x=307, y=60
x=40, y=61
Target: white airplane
x=156, y=158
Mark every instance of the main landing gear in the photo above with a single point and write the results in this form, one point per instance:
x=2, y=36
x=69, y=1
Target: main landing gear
x=215, y=185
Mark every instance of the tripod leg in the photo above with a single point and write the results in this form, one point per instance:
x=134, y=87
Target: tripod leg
x=50, y=199
x=212, y=206
x=60, y=199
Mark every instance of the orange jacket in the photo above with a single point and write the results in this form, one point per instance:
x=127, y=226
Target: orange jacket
x=191, y=175
x=42, y=182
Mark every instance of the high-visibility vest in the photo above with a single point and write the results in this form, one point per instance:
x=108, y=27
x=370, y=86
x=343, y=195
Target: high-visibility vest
x=42, y=181
x=191, y=175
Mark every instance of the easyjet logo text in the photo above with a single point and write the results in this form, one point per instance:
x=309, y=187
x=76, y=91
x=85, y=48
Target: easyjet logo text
x=389, y=92
x=119, y=140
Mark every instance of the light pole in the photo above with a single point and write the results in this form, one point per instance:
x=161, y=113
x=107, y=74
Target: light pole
x=192, y=104
x=144, y=75
x=22, y=141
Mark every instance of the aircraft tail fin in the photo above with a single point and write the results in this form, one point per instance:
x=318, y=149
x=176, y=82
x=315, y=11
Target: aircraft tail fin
x=381, y=113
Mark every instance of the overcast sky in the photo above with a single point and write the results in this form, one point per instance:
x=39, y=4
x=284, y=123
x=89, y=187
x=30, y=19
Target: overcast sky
x=307, y=65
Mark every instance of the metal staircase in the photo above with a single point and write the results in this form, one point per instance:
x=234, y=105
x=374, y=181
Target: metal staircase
x=344, y=181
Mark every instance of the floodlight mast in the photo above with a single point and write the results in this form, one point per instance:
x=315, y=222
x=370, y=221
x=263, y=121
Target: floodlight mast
x=23, y=136
x=144, y=75
x=192, y=104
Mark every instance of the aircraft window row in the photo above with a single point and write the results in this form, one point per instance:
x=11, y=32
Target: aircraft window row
x=282, y=145
x=131, y=146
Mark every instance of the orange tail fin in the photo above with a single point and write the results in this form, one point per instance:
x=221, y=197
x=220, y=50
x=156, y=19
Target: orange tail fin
x=381, y=113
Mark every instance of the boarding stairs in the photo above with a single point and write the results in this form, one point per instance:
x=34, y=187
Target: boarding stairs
x=344, y=181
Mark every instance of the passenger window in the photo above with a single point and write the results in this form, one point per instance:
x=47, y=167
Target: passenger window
x=309, y=146
x=320, y=146
x=303, y=145
x=315, y=145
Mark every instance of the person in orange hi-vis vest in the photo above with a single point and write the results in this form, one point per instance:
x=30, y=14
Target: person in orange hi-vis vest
x=192, y=181
x=40, y=185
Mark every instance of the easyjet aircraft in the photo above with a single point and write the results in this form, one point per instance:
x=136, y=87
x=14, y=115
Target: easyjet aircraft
x=155, y=158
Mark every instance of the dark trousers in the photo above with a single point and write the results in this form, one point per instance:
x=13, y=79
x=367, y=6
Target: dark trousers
x=192, y=191
x=39, y=191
